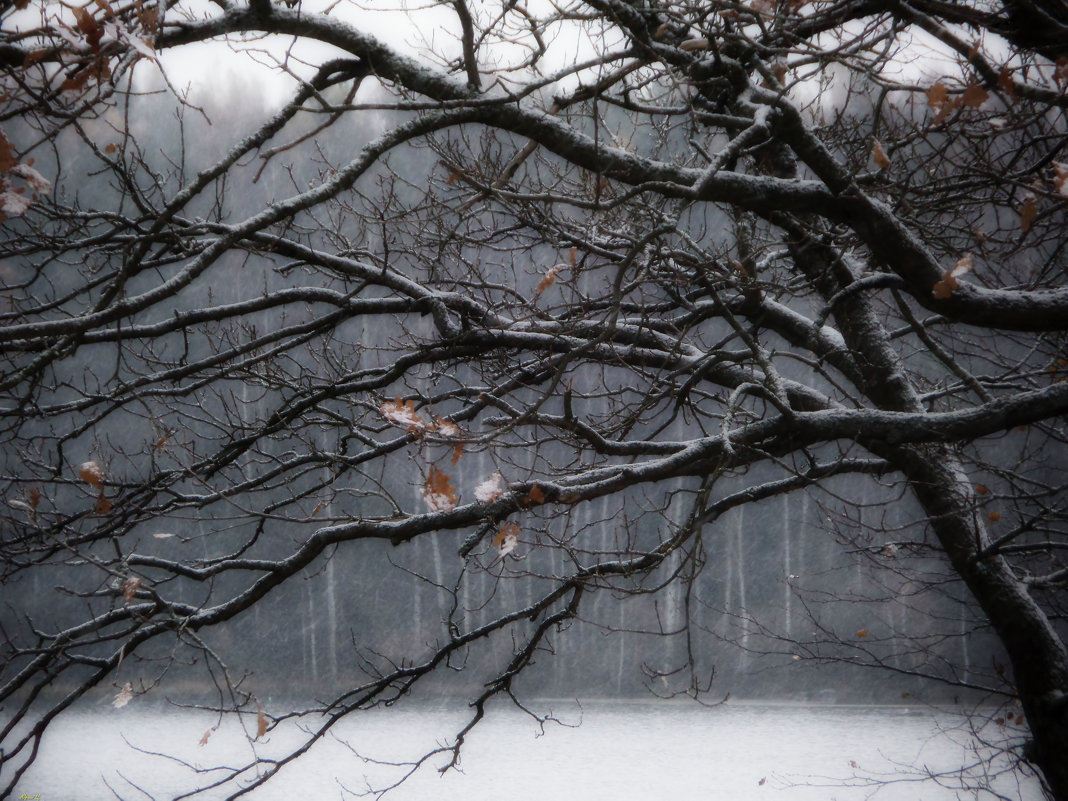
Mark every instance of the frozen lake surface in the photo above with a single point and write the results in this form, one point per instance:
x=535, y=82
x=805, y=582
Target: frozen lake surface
x=621, y=751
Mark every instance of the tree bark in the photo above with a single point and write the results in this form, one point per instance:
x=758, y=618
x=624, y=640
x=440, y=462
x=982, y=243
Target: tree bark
x=1038, y=655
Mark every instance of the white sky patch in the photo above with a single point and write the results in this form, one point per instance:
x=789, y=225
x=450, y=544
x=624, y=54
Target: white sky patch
x=255, y=61
x=429, y=33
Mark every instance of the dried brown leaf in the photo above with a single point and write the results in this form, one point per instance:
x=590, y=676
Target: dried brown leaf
x=1006, y=84
x=974, y=96
x=7, y=154
x=97, y=68
x=130, y=588
x=439, y=493
x=738, y=267
x=944, y=288
x=204, y=739
x=89, y=27
x=105, y=6
x=879, y=156
x=149, y=18
x=963, y=266
x=507, y=538
x=1060, y=180
x=938, y=99
x=403, y=413
x=547, y=280
x=780, y=71
x=1060, y=74
x=938, y=96
x=123, y=697
x=92, y=473
x=1028, y=212
x=445, y=428
x=261, y=722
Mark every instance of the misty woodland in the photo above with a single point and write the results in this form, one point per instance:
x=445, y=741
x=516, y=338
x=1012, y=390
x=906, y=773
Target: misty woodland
x=353, y=355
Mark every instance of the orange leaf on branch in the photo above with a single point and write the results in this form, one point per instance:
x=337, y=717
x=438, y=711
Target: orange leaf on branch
x=105, y=6
x=439, y=493
x=548, y=279
x=938, y=99
x=944, y=288
x=507, y=538
x=1028, y=212
x=93, y=474
x=878, y=155
x=1060, y=181
x=446, y=428
x=89, y=27
x=7, y=154
x=1060, y=74
x=974, y=95
x=1006, y=84
x=403, y=413
x=130, y=588
x=148, y=17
